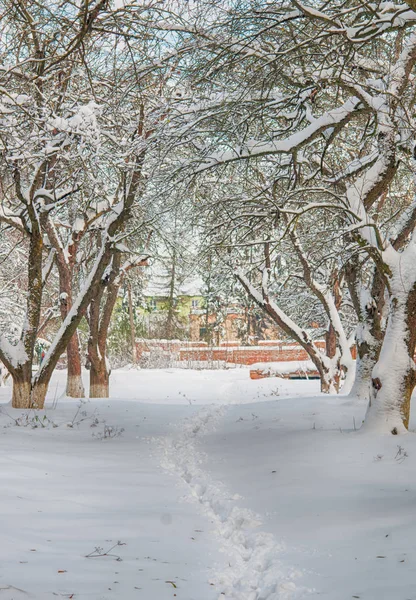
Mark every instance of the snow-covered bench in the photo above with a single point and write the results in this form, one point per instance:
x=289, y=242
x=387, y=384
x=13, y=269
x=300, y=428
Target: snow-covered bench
x=304, y=369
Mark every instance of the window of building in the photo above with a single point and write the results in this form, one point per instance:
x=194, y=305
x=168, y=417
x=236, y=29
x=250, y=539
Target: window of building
x=195, y=303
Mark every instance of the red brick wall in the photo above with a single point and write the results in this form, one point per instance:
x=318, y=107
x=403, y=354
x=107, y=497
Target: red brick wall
x=243, y=355
x=248, y=355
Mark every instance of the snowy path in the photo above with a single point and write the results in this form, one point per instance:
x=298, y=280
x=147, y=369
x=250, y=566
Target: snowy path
x=254, y=570
x=268, y=495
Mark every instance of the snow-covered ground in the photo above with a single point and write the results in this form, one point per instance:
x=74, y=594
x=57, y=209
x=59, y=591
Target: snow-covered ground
x=219, y=487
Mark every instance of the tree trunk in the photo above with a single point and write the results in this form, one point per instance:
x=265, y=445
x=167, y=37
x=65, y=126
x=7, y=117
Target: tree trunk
x=330, y=342
x=99, y=323
x=366, y=359
x=394, y=376
x=38, y=394
x=22, y=374
x=40, y=384
x=331, y=346
x=99, y=380
x=21, y=393
x=27, y=394
x=329, y=382
x=74, y=384
x=369, y=305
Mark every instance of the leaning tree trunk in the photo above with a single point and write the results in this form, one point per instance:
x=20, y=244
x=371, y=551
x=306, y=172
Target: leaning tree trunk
x=394, y=376
x=325, y=366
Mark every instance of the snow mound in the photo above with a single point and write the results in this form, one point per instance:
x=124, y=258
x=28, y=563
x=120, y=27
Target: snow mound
x=284, y=367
